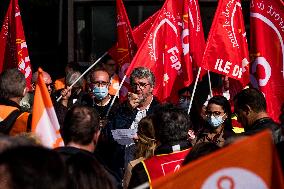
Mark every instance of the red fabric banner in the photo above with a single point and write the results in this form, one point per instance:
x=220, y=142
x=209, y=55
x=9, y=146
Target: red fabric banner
x=119, y=54
x=267, y=70
x=193, y=41
x=14, y=51
x=226, y=49
x=125, y=48
x=250, y=163
x=162, y=52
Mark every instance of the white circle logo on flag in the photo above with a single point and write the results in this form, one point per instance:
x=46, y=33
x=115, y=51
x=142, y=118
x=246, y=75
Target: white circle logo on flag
x=234, y=178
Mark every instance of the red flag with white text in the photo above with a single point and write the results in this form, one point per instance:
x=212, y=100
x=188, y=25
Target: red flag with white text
x=267, y=69
x=251, y=163
x=14, y=51
x=193, y=41
x=162, y=52
x=226, y=50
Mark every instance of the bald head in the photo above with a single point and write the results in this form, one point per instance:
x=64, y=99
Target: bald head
x=46, y=77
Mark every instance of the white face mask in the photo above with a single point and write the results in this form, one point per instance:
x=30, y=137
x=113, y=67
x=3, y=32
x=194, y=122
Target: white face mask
x=216, y=121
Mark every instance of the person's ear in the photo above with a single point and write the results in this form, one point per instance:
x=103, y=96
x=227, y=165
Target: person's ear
x=247, y=109
x=96, y=136
x=25, y=91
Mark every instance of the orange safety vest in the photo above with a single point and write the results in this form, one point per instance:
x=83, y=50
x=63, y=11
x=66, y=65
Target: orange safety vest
x=59, y=83
x=160, y=165
x=114, y=84
x=20, y=125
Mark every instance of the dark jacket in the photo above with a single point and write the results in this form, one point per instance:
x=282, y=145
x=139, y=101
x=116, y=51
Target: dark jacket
x=265, y=123
x=125, y=115
x=122, y=119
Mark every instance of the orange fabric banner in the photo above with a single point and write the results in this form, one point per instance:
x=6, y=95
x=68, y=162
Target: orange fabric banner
x=44, y=120
x=248, y=164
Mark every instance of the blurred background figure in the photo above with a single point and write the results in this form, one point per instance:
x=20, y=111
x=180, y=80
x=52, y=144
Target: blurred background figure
x=28, y=100
x=111, y=67
x=70, y=67
x=31, y=167
x=85, y=172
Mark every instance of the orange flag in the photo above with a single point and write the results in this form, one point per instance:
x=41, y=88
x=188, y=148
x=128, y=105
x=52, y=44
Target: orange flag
x=250, y=163
x=44, y=120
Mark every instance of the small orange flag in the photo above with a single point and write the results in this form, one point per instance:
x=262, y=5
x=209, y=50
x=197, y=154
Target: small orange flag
x=44, y=120
x=248, y=164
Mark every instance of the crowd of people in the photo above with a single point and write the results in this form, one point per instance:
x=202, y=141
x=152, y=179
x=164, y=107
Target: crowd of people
x=91, y=157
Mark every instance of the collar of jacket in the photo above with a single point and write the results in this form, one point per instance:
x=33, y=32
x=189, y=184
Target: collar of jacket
x=8, y=102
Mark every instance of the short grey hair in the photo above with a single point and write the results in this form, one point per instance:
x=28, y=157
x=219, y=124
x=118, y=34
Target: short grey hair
x=12, y=83
x=72, y=77
x=142, y=72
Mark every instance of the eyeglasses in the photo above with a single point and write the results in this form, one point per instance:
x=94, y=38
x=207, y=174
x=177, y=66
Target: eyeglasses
x=99, y=83
x=215, y=113
x=49, y=85
x=140, y=85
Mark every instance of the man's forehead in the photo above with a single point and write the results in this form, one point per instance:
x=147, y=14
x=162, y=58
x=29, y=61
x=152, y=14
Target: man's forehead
x=99, y=76
x=143, y=79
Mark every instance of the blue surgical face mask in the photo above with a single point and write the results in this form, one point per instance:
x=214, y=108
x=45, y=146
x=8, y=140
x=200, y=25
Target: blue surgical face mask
x=100, y=92
x=216, y=121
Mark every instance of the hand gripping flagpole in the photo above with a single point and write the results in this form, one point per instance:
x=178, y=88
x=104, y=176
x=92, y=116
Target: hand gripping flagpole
x=99, y=59
x=193, y=92
x=115, y=96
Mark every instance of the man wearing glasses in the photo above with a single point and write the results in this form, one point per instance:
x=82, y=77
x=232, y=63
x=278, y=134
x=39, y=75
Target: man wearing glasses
x=139, y=104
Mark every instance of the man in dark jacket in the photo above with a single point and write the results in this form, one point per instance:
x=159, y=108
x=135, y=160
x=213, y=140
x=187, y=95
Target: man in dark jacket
x=250, y=107
x=140, y=103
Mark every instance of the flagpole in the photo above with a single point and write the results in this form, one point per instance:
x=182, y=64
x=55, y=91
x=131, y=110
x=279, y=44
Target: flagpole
x=210, y=86
x=99, y=59
x=115, y=96
x=193, y=92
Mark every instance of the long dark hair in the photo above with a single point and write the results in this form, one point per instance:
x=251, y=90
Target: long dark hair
x=225, y=104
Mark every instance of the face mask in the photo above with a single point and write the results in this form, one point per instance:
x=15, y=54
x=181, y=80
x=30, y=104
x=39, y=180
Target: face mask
x=216, y=121
x=100, y=92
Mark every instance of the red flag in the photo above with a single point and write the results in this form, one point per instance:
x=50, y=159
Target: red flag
x=119, y=54
x=193, y=41
x=161, y=52
x=268, y=52
x=141, y=31
x=250, y=163
x=14, y=51
x=44, y=120
x=125, y=48
x=226, y=49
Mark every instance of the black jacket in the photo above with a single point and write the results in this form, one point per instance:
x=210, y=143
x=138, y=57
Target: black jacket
x=265, y=123
x=122, y=119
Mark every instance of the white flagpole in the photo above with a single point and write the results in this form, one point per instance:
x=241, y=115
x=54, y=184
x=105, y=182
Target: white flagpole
x=99, y=59
x=210, y=87
x=115, y=96
x=193, y=92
